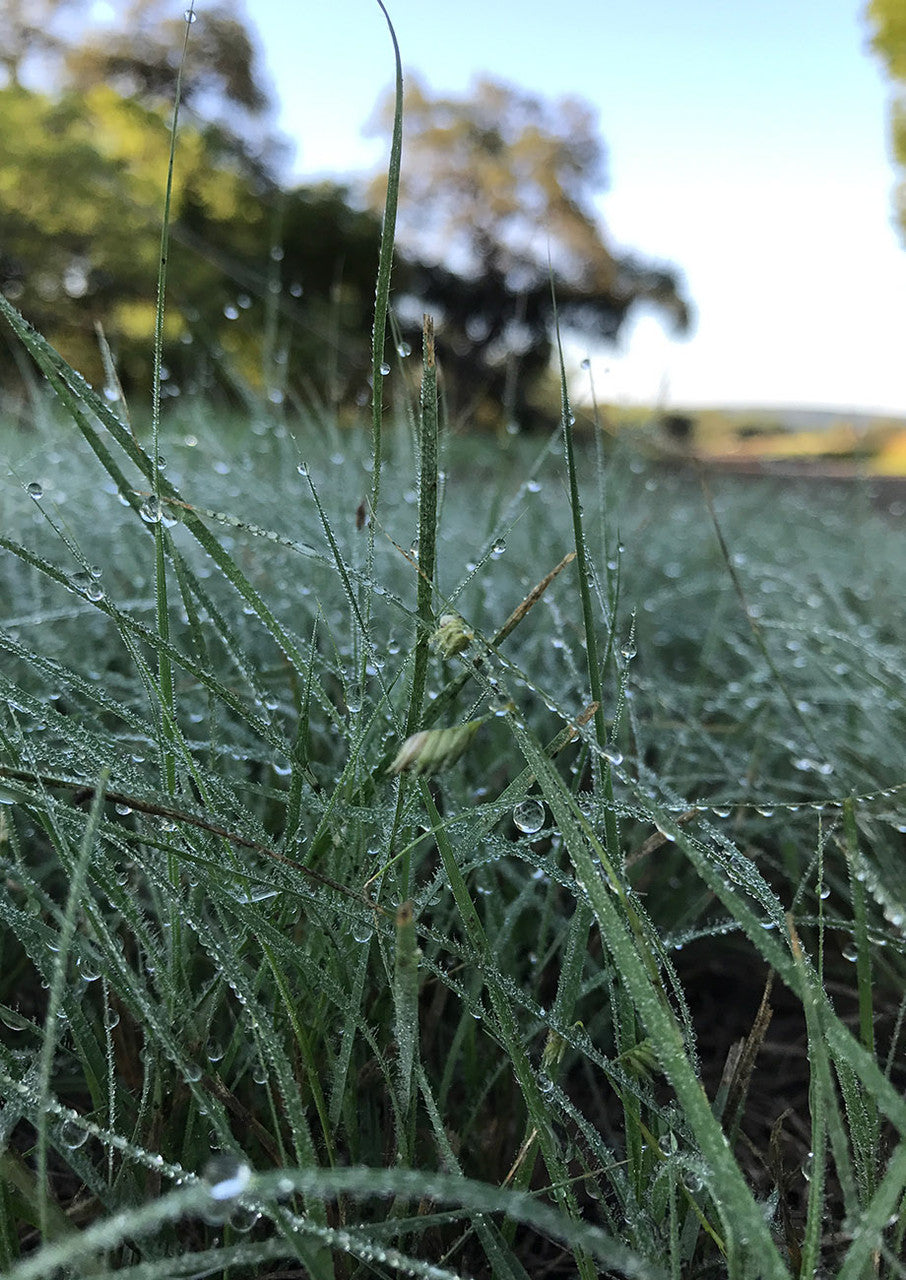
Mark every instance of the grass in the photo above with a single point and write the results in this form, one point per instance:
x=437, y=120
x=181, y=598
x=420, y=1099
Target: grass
x=601, y=974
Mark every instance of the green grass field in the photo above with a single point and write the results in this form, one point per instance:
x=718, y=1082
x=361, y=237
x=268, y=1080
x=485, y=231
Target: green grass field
x=442, y=857
x=452, y=1024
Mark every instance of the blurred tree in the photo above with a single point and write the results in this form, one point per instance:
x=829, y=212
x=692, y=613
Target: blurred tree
x=222, y=81
x=887, y=22
x=30, y=29
x=82, y=180
x=81, y=195
x=496, y=197
x=269, y=290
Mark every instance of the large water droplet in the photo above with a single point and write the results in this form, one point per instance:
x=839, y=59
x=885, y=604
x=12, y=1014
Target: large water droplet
x=243, y=1218
x=385, y=368
x=35, y=490
x=227, y=1176
x=73, y=1135
x=528, y=816
x=362, y=930
x=150, y=510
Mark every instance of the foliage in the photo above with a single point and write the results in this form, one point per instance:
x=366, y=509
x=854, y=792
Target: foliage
x=81, y=179
x=262, y=991
x=496, y=205
x=31, y=29
x=887, y=23
x=274, y=1002
x=270, y=290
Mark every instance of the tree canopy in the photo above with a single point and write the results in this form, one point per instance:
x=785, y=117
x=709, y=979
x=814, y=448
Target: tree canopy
x=271, y=288
x=496, y=202
x=887, y=22
x=82, y=178
x=264, y=282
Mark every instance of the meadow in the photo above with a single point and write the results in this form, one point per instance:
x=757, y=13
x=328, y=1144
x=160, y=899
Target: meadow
x=442, y=856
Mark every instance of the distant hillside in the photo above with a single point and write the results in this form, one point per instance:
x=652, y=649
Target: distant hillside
x=796, y=418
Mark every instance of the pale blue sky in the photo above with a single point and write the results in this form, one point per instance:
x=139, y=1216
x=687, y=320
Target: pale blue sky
x=747, y=142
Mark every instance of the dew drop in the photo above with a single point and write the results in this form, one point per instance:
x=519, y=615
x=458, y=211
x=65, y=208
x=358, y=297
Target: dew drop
x=362, y=930
x=403, y=349
x=628, y=650
x=613, y=755
x=528, y=816
x=385, y=368
x=150, y=511
x=227, y=1176
x=498, y=549
x=73, y=1135
x=243, y=1219
x=190, y=15
x=34, y=490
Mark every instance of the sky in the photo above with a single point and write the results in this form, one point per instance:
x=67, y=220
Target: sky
x=747, y=142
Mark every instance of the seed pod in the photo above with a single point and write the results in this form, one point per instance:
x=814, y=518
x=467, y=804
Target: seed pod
x=431, y=750
x=452, y=635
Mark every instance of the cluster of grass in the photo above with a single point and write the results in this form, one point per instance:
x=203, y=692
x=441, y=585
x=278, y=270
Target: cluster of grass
x=406, y=845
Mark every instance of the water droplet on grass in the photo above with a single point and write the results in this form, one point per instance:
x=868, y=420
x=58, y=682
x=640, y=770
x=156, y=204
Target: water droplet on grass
x=34, y=490
x=243, y=1219
x=227, y=1176
x=498, y=549
x=628, y=650
x=385, y=368
x=73, y=1135
x=403, y=349
x=150, y=511
x=362, y=930
x=528, y=816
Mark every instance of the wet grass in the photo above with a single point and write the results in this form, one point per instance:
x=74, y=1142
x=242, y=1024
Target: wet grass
x=432, y=856
x=230, y=927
